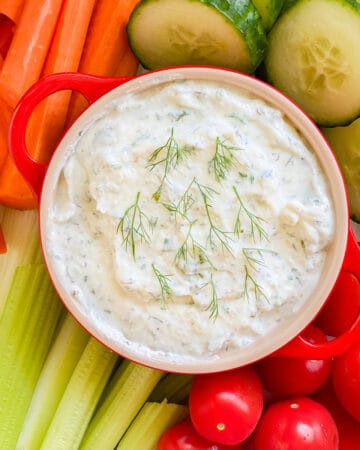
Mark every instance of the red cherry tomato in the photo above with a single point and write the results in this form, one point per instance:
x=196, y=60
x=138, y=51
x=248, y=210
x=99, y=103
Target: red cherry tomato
x=348, y=427
x=346, y=380
x=342, y=307
x=225, y=407
x=295, y=377
x=183, y=436
x=297, y=424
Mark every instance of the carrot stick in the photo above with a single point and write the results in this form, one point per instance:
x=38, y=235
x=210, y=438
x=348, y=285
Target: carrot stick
x=48, y=120
x=25, y=58
x=7, y=27
x=14, y=192
x=106, y=41
x=105, y=44
x=11, y=8
x=128, y=65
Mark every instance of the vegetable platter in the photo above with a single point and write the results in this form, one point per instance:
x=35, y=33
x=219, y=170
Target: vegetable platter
x=59, y=387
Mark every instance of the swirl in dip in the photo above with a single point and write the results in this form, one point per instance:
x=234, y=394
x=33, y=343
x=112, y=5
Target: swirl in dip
x=189, y=219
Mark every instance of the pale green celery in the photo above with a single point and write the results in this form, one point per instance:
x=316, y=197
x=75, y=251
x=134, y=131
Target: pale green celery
x=150, y=424
x=55, y=375
x=22, y=239
x=175, y=388
x=80, y=398
x=127, y=393
x=27, y=326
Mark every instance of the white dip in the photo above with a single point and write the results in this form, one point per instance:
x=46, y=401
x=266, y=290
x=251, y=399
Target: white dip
x=190, y=219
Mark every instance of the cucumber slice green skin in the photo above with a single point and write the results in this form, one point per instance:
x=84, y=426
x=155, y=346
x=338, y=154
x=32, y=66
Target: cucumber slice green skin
x=246, y=18
x=269, y=11
x=225, y=33
x=345, y=143
x=313, y=58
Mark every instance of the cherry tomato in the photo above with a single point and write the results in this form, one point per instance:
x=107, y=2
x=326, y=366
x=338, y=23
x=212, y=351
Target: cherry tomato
x=296, y=424
x=342, y=307
x=249, y=443
x=348, y=427
x=295, y=377
x=225, y=407
x=183, y=436
x=346, y=380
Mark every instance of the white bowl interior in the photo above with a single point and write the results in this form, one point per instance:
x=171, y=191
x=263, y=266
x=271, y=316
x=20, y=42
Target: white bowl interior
x=288, y=329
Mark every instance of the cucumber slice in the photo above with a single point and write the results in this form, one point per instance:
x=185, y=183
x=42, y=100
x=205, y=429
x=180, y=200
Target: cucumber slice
x=269, y=11
x=345, y=142
x=313, y=57
x=224, y=33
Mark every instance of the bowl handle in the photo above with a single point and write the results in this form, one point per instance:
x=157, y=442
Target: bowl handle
x=91, y=86
x=301, y=348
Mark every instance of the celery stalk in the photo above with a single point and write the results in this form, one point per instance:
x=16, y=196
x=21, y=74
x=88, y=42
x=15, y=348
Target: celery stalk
x=150, y=424
x=128, y=391
x=55, y=375
x=80, y=398
x=27, y=326
x=174, y=387
x=22, y=239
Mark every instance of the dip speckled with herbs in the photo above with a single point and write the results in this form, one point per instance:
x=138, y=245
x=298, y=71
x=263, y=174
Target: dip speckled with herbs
x=190, y=219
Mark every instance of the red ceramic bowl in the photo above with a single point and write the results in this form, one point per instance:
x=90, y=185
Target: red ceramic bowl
x=343, y=254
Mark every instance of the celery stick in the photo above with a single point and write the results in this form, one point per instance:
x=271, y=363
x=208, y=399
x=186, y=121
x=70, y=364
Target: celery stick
x=55, y=375
x=80, y=398
x=27, y=325
x=130, y=388
x=22, y=239
x=150, y=424
x=175, y=388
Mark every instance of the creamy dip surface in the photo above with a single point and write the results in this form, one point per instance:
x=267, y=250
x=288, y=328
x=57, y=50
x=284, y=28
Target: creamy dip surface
x=189, y=219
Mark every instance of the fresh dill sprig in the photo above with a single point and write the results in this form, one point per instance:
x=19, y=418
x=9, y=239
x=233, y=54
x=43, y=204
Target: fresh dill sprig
x=254, y=257
x=183, y=206
x=256, y=227
x=191, y=248
x=169, y=154
x=216, y=235
x=224, y=158
x=165, y=288
x=214, y=303
x=250, y=280
x=134, y=225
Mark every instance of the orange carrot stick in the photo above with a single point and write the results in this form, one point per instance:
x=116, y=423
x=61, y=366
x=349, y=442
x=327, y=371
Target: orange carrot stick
x=48, y=120
x=128, y=65
x=14, y=192
x=11, y=8
x=106, y=41
x=25, y=58
x=105, y=44
x=7, y=27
